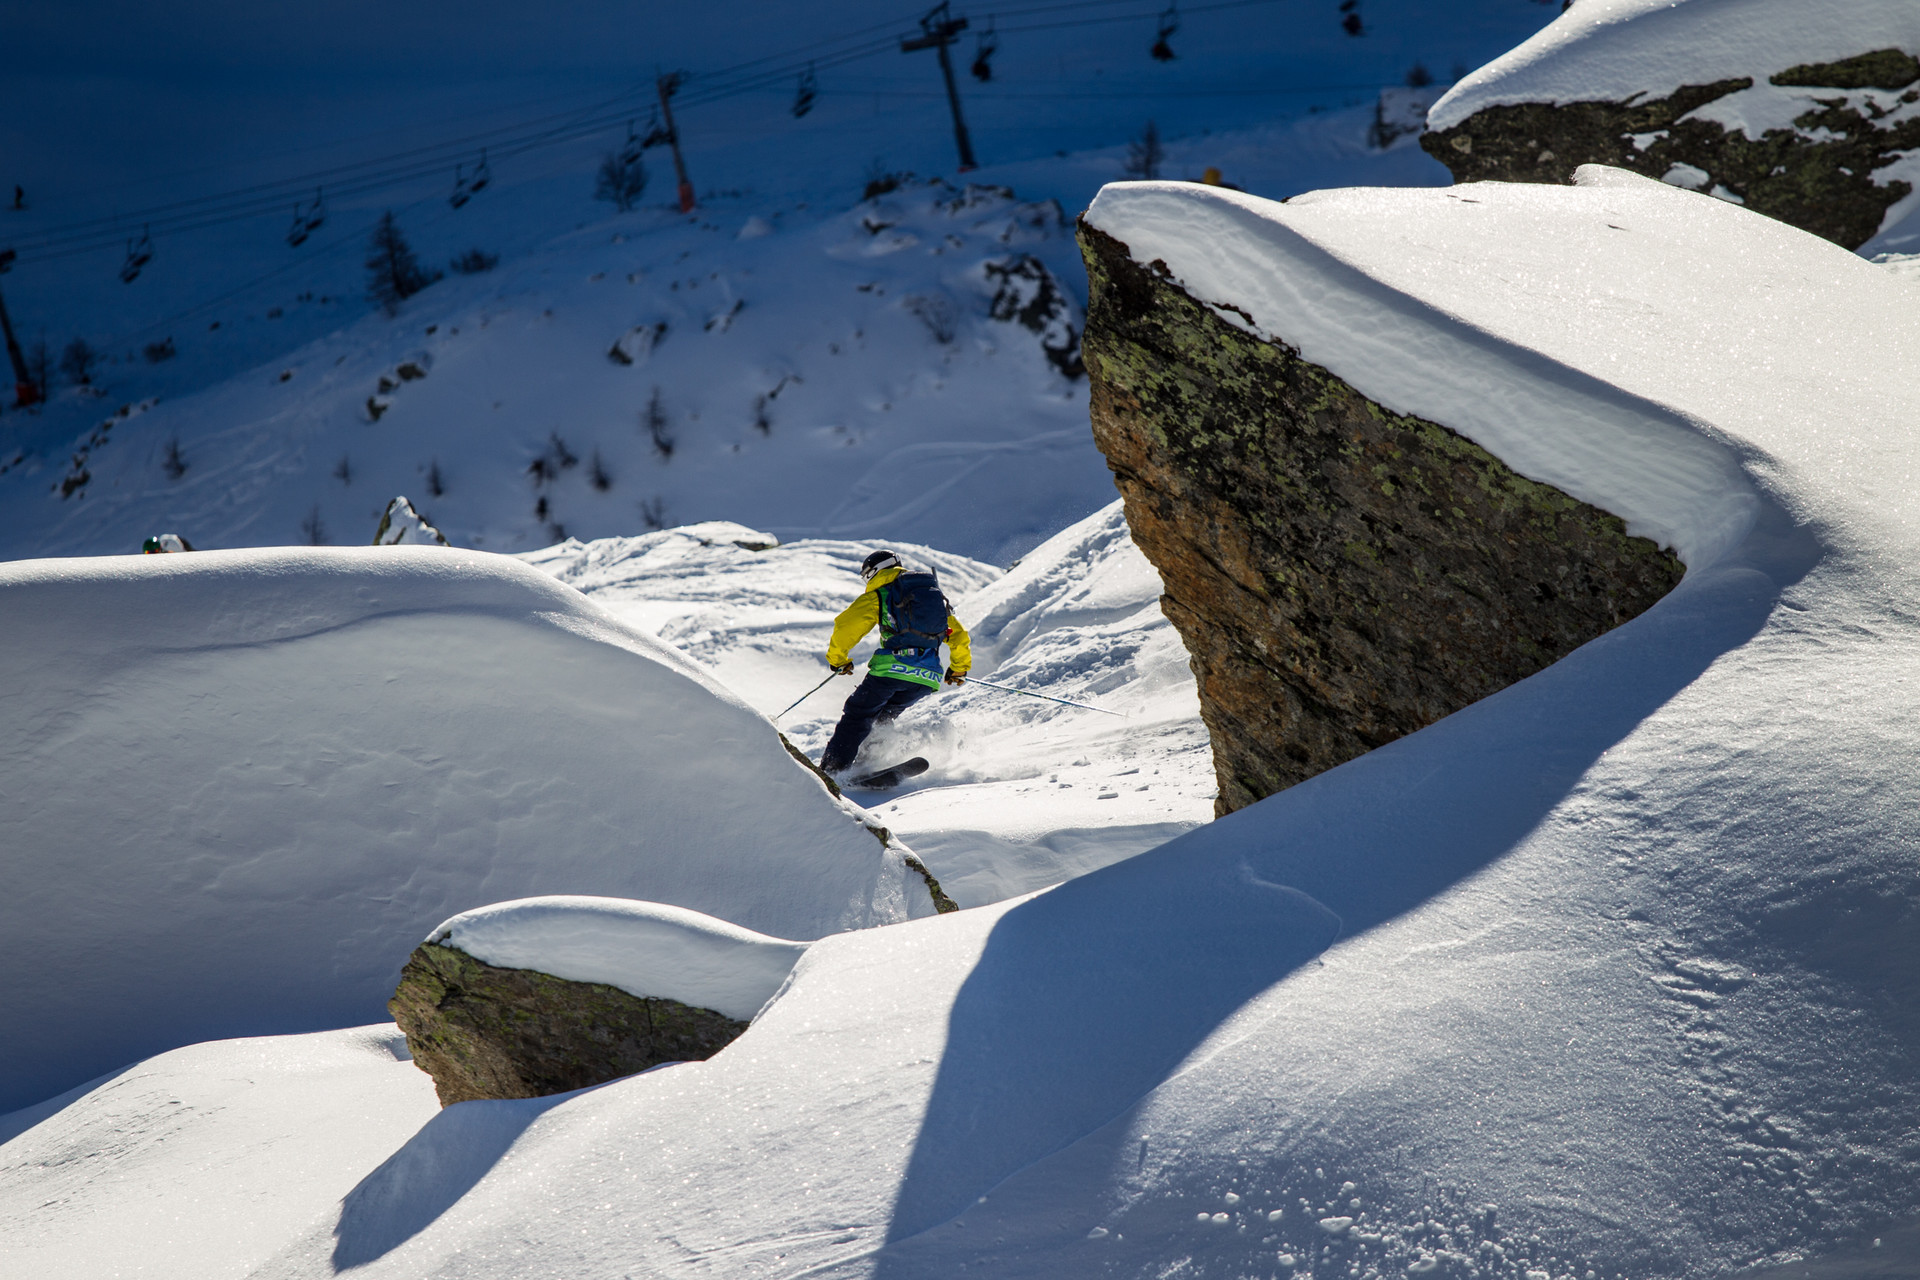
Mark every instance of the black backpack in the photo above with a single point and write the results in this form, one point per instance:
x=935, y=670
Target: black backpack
x=913, y=613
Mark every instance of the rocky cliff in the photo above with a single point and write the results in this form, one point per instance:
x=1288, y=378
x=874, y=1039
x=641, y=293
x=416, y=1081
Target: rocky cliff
x=1342, y=574
x=486, y=1032
x=1850, y=119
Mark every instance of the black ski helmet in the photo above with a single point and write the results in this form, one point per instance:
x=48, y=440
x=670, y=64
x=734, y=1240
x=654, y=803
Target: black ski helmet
x=876, y=562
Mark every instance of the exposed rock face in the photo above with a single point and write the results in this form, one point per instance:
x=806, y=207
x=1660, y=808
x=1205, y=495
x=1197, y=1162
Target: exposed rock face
x=1342, y=574
x=1817, y=175
x=487, y=1032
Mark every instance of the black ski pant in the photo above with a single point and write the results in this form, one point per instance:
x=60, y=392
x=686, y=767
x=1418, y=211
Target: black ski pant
x=877, y=701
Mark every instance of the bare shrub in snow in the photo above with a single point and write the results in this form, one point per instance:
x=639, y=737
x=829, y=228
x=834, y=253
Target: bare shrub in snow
x=935, y=312
x=77, y=362
x=1145, y=154
x=473, y=262
x=155, y=352
x=621, y=180
x=655, y=419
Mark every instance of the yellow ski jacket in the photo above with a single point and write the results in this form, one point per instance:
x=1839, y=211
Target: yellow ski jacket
x=863, y=615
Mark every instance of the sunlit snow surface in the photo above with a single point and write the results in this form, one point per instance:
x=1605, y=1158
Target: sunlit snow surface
x=1627, y=50
x=1622, y=974
x=1023, y=793
x=242, y=785
x=1624, y=982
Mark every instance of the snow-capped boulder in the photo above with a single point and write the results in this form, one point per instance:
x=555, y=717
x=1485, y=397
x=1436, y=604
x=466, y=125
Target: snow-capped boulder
x=543, y=995
x=242, y=785
x=1806, y=113
x=1342, y=574
x=401, y=525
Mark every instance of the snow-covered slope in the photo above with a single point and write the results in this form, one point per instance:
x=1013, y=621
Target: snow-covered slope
x=1623, y=984
x=202, y=1162
x=1023, y=793
x=241, y=786
x=1637, y=50
x=1612, y=50
x=815, y=374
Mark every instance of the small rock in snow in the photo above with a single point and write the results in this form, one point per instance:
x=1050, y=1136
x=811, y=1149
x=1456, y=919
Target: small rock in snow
x=1232, y=1197
x=1335, y=1226
x=1348, y=1188
x=1098, y=1233
x=1276, y=1215
x=1220, y=1219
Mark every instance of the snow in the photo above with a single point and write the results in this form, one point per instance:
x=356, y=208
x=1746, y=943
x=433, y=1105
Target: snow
x=1013, y=802
x=1550, y=420
x=1615, y=50
x=1625, y=50
x=1606, y=975
x=205, y=1160
x=1654, y=902
x=242, y=785
x=644, y=948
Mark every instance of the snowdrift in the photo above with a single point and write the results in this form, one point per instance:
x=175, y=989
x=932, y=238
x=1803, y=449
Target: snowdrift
x=1622, y=981
x=240, y=786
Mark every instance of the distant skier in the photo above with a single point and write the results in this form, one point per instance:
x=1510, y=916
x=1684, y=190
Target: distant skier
x=914, y=620
x=162, y=543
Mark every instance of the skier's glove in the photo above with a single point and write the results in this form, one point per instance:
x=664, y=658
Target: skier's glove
x=955, y=677
x=844, y=669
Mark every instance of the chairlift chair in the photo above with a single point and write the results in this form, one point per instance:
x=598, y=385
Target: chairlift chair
x=1169, y=23
x=139, y=254
x=482, y=174
x=656, y=134
x=460, y=193
x=297, y=233
x=988, y=45
x=809, y=90
x=630, y=149
x=316, y=212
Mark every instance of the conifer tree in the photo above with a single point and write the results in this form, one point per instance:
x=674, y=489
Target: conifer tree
x=393, y=273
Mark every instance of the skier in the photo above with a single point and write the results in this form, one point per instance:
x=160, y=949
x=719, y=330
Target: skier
x=914, y=619
x=163, y=543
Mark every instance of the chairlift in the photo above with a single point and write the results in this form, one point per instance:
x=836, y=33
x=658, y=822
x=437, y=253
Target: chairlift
x=482, y=174
x=988, y=45
x=1169, y=23
x=630, y=149
x=460, y=193
x=808, y=91
x=139, y=254
x=307, y=219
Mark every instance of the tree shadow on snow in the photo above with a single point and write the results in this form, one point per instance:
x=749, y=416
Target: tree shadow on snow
x=1088, y=997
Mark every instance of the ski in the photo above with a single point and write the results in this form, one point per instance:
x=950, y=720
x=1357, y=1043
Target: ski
x=893, y=777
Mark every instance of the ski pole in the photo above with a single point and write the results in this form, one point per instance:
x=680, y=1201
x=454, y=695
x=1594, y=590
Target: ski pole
x=1084, y=706
x=808, y=694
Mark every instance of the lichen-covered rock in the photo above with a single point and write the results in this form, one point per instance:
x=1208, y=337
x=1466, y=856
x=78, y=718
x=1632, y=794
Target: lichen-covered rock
x=1342, y=574
x=1818, y=174
x=487, y=1032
